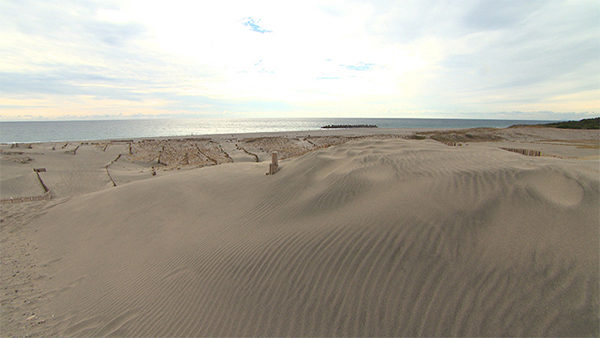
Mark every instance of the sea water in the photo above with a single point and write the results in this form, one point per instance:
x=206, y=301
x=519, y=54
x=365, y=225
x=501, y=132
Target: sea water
x=55, y=131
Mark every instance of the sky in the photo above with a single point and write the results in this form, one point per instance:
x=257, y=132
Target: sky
x=63, y=59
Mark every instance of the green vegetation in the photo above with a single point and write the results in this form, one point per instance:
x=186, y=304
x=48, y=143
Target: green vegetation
x=416, y=137
x=593, y=123
x=463, y=135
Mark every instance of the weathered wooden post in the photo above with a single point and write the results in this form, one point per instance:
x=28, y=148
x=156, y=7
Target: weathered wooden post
x=274, y=165
x=37, y=172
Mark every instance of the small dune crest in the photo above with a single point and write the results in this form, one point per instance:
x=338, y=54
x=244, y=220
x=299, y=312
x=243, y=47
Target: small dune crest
x=556, y=187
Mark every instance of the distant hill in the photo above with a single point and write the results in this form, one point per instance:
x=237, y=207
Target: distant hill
x=593, y=123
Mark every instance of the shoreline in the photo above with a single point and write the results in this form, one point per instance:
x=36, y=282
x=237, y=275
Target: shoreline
x=534, y=130
x=291, y=133
x=95, y=130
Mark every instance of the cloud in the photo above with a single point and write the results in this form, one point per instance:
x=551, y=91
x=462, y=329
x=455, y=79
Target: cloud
x=361, y=66
x=490, y=15
x=254, y=25
x=354, y=59
x=529, y=63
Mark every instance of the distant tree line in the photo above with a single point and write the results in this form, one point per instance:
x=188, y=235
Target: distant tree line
x=593, y=123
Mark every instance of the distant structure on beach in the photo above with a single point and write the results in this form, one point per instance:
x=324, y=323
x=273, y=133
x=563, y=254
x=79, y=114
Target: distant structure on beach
x=331, y=126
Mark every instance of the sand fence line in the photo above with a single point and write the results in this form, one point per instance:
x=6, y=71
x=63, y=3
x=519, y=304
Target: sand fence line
x=17, y=145
x=74, y=151
x=205, y=155
x=452, y=144
x=47, y=195
x=526, y=152
x=311, y=142
x=108, y=173
x=224, y=152
x=37, y=172
x=247, y=152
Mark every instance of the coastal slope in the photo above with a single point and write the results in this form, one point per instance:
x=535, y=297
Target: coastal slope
x=369, y=238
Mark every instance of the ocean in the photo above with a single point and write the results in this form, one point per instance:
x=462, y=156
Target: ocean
x=55, y=131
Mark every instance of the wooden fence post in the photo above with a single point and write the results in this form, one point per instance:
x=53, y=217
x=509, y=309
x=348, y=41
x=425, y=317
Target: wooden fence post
x=274, y=165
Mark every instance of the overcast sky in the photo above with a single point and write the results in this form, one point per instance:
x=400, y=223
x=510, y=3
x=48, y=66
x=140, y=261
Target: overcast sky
x=473, y=59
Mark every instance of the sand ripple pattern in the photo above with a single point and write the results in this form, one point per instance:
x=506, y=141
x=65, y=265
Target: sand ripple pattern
x=369, y=238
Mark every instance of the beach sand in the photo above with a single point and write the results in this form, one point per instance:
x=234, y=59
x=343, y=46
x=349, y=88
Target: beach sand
x=360, y=233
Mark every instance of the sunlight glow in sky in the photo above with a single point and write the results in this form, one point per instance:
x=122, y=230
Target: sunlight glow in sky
x=63, y=59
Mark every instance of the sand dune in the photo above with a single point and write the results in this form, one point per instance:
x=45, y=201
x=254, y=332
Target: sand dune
x=369, y=238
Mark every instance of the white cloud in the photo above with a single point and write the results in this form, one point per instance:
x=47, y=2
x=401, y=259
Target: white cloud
x=310, y=58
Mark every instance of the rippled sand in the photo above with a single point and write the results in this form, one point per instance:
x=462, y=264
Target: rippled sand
x=381, y=236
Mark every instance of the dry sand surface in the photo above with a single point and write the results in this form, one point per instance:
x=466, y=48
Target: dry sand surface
x=392, y=234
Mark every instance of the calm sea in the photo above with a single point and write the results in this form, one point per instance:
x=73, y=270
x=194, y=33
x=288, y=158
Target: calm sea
x=49, y=131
